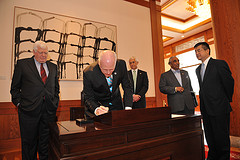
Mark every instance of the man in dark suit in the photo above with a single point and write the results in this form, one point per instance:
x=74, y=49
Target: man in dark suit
x=216, y=90
x=101, y=82
x=139, y=81
x=176, y=84
x=35, y=92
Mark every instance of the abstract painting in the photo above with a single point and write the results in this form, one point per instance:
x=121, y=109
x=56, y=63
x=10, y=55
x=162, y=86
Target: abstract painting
x=73, y=43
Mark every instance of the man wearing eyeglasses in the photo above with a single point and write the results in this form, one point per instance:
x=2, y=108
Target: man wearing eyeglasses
x=176, y=84
x=139, y=81
x=35, y=92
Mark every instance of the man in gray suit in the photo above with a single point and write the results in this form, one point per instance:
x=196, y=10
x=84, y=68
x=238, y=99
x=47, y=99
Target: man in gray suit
x=177, y=85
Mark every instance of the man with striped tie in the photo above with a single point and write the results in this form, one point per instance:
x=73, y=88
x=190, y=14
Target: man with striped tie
x=34, y=91
x=101, y=82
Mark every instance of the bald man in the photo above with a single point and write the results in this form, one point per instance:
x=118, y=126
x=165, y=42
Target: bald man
x=101, y=82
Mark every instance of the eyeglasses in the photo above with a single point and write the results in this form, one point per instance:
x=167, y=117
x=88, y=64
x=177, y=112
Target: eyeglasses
x=42, y=52
x=131, y=62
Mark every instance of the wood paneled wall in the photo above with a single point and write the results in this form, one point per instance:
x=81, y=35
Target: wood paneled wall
x=226, y=22
x=9, y=126
x=10, y=142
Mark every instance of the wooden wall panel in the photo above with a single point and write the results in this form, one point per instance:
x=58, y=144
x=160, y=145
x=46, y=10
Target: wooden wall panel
x=226, y=22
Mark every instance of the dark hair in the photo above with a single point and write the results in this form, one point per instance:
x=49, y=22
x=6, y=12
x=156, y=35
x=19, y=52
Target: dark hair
x=205, y=46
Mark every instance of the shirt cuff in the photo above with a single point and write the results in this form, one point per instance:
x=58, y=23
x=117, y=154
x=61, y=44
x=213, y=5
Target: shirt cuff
x=128, y=108
x=96, y=111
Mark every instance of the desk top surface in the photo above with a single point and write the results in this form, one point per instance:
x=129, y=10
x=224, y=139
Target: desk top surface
x=71, y=127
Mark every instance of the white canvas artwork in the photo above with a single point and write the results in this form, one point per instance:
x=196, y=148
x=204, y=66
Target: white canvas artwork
x=73, y=43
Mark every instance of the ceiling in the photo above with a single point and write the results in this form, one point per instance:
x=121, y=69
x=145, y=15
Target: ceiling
x=177, y=22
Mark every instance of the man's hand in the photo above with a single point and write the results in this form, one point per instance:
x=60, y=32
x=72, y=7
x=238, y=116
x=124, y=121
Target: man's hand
x=136, y=97
x=179, y=89
x=101, y=110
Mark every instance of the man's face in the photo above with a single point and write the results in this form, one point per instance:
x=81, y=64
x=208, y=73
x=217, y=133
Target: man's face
x=174, y=63
x=201, y=54
x=41, y=55
x=107, y=68
x=133, y=63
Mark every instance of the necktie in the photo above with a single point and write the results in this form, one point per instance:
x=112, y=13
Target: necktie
x=202, y=70
x=134, y=80
x=43, y=74
x=109, y=81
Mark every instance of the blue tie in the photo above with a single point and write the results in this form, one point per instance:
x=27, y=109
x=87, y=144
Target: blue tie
x=109, y=81
x=202, y=70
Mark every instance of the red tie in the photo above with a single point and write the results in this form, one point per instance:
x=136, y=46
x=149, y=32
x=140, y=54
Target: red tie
x=43, y=74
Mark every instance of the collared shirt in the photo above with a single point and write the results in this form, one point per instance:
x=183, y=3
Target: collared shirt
x=38, y=65
x=177, y=75
x=136, y=72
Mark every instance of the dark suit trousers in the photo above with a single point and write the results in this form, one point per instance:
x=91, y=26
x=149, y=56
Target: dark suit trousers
x=185, y=111
x=139, y=104
x=216, y=130
x=34, y=131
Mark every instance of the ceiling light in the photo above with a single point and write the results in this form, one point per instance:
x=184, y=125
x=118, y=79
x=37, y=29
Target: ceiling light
x=199, y=7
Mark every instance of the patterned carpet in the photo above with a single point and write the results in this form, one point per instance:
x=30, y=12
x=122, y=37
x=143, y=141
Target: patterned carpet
x=234, y=155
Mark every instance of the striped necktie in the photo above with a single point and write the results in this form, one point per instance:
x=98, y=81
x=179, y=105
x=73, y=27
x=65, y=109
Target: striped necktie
x=109, y=81
x=43, y=74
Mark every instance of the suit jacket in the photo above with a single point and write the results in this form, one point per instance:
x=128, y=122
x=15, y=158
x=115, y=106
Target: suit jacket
x=141, y=87
x=177, y=100
x=96, y=89
x=217, y=87
x=28, y=89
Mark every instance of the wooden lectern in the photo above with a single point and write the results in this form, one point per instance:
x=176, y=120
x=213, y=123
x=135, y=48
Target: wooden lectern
x=139, y=134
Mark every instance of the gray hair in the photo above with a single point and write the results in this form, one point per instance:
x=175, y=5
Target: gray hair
x=170, y=59
x=133, y=58
x=39, y=44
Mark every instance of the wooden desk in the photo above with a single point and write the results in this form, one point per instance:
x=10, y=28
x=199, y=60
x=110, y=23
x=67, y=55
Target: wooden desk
x=178, y=138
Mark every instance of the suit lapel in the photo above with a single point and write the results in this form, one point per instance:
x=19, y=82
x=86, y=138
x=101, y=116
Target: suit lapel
x=174, y=77
x=130, y=76
x=208, y=69
x=114, y=84
x=49, y=71
x=33, y=67
x=139, y=73
x=183, y=78
x=198, y=75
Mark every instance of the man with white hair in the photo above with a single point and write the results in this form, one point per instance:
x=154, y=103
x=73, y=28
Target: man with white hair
x=101, y=82
x=35, y=92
